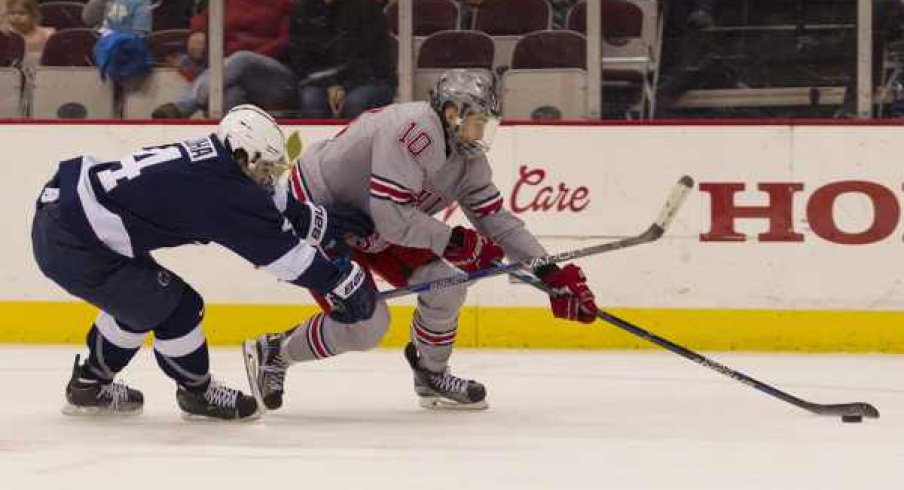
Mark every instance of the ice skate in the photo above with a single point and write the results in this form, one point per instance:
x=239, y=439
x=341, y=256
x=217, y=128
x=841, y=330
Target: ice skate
x=442, y=390
x=217, y=402
x=266, y=368
x=93, y=397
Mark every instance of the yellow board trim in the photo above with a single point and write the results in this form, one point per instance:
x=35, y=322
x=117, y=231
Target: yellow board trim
x=522, y=327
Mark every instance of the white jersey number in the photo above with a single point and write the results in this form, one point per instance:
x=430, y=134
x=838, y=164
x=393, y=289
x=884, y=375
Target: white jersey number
x=131, y=167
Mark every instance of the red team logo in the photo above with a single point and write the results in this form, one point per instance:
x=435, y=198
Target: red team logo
x=779, y=210
x=533, y=193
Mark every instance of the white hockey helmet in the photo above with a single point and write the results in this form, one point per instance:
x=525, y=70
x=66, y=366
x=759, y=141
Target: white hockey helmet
x=256, y=142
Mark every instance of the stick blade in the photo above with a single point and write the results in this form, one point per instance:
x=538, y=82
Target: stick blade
x=860, y=409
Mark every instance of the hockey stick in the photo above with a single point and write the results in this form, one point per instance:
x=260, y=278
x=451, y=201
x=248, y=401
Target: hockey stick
x=676, y=198
x=849, y=412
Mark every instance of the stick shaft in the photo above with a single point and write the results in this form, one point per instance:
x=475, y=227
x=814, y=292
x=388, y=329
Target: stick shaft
x=677, y=196
x=650, y=235
x=858, y=408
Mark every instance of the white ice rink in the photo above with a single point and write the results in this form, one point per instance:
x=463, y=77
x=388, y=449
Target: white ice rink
x=557, y=420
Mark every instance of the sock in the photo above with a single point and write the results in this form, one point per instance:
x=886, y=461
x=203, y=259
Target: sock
x=181, y=347
x=111, y=345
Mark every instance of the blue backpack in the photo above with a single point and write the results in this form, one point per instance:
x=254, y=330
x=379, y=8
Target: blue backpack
x=123, y=56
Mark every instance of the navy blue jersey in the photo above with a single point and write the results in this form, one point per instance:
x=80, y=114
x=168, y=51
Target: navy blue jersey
x=187, y=192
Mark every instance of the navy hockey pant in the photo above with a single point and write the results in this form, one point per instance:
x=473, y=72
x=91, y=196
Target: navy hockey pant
x=134, y=296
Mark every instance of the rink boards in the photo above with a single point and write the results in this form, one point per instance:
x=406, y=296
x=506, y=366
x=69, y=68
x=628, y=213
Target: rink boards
x=790, y=240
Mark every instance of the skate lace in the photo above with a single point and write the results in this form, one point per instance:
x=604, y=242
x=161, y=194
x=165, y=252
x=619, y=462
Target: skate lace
x=445, y=381
x=116, y=392
x=220, y=395
x=275, y=372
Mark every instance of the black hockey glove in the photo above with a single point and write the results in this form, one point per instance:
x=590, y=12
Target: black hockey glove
x=345, y=222
x=353, y=298
x=328, y=227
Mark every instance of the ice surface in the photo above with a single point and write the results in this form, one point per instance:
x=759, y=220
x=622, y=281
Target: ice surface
x=557, y=420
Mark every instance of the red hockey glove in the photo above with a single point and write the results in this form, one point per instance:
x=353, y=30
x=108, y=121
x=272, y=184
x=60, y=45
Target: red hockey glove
x=569, y=296
x=470, y=251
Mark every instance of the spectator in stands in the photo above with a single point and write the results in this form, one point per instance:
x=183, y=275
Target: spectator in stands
x=138, y=15
x=560, y=9
x=256, y=35
x=687, y=58
x=192, y=63
x=888, y=18
x=701, y=14
x=888, y=22
x=468, y=10
x=133, y=16
x=122, y=52
x=4, y=25
x=23, y=18
x=339, y=50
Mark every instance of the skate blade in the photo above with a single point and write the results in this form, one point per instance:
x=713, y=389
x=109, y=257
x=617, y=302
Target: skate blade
x=206, y=419
x=252, y=369
x=77, y=411
x=438, y=403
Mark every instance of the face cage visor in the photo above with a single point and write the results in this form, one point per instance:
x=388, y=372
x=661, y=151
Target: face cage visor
x=265, y=173
x=476, y=132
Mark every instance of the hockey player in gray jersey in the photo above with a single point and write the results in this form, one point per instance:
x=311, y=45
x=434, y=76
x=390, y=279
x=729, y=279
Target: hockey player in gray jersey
x=402, y=164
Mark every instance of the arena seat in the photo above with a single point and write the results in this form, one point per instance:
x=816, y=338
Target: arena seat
x=67, y=84
x=429, y=16
x=166, y=43
x=164, y=84
x=498, y=19
x=548, y=73
x=450, y=49
x=168, y=16
x=630, y=45
x=61, y=15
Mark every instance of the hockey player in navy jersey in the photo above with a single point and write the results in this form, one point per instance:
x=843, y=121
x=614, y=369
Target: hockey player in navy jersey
x=96, y=223
x=403, y=164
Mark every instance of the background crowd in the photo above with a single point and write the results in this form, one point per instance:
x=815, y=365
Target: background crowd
x=321, y=59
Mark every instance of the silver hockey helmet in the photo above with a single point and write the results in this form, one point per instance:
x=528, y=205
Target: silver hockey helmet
x=473, y=94
x=256, y=142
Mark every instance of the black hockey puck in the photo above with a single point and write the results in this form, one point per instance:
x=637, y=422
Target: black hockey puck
x=851, y=418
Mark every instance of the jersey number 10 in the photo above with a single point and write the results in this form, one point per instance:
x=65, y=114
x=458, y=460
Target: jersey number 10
x=415, y=140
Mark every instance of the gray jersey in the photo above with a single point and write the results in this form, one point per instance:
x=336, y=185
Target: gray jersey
x=393, y=164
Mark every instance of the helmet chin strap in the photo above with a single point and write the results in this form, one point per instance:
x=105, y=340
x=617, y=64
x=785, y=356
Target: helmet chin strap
x=456, y=131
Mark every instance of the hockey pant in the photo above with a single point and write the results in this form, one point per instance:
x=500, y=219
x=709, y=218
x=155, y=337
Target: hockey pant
x=135, y=296
x=433, y=326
